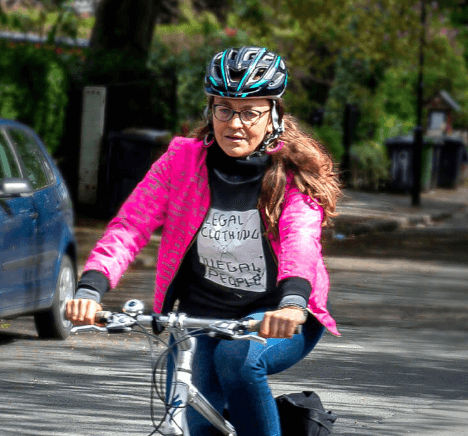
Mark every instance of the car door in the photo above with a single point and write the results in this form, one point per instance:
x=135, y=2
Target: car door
x=18, y=239
x=48, y=206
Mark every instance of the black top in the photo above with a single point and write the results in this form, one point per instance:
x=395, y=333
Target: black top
x=230, y=269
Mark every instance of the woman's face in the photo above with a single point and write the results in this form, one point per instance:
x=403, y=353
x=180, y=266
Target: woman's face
x=235, y=137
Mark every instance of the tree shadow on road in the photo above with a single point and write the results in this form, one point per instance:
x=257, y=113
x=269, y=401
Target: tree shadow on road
x=71, y=388
x=389, y=389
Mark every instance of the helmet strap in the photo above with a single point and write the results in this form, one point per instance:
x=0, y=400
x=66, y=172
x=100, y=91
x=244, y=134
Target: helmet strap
x=209, y=138
x=278, y=128
x=206, y=113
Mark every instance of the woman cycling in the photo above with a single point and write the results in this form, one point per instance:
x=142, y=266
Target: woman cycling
x=241, y=206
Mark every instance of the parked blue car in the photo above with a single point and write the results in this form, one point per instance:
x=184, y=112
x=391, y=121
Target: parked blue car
x=37, y=242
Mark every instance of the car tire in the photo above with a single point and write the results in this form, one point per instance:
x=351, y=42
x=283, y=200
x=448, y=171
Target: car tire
x=52, y=324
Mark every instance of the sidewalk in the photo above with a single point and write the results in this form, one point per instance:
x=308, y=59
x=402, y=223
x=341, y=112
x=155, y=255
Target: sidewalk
x=359, y=213
x=362, y=213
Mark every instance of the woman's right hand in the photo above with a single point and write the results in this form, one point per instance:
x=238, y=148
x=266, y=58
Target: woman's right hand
x=82, y=311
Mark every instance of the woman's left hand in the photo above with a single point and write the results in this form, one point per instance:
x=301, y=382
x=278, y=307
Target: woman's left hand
x=281, y=323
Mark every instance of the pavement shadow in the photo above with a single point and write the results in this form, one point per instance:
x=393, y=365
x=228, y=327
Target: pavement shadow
x=10, y=337
x=389, y=388
x=75, y=389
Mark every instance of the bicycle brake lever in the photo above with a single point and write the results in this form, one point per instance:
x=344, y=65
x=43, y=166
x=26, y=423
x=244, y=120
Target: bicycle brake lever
x=118, y=323
x=254, y=338
x=228, y=334
x=87, y=328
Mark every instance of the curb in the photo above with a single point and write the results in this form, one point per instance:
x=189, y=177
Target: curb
x=344, y=229
x=352, y=225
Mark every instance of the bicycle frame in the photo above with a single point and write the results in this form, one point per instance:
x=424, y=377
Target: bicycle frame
x=183, y=393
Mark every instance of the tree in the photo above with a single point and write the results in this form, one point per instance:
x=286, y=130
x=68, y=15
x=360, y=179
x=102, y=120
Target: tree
x=121, y=38
x=219, y=8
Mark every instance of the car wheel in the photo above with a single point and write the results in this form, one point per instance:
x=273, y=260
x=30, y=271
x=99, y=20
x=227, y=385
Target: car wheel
x=52, y=323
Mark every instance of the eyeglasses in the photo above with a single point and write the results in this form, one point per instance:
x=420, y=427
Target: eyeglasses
x=247, y=116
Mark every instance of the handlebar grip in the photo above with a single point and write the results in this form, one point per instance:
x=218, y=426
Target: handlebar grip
x=254, y=326
x=102, y=317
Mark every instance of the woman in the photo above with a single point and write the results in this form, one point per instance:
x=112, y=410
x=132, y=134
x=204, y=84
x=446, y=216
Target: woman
x=241, y=206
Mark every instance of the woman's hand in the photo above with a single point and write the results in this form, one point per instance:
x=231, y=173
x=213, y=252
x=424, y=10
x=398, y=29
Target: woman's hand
x=282, y=323
x=82, y=311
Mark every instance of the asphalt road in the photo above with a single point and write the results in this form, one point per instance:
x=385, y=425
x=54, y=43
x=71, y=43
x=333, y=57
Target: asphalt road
x=400, y=367
x=403, y=302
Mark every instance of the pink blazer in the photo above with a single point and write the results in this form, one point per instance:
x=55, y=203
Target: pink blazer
x=175, y=196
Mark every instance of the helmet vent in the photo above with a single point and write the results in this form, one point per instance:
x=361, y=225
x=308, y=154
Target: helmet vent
x=247, y=72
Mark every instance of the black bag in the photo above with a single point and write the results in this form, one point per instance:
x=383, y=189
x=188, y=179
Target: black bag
x=302, y=414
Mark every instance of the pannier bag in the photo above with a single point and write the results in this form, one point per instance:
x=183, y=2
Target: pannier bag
x=302, y=414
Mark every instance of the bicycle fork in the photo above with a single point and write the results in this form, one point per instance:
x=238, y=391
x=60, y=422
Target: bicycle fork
x=184, y=393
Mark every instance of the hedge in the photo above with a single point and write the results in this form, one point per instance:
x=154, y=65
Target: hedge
x=34, y=85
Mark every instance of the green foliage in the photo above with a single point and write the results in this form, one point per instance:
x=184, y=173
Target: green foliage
x=346, y=51
x=369, y=165
x=332, y=139
x=256, y=17
x=187, y=49
x=52, y=19
x=392, y=108
x=372, y=30
x=33, y=89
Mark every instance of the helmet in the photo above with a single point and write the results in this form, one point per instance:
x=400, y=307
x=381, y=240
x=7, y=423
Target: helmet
x=247, y=72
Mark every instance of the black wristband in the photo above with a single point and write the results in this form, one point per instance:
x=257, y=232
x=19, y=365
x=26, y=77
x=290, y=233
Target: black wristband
x=94, y=280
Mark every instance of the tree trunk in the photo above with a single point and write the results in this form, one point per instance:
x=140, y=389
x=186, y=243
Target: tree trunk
x=219, y=8
x=122, y=36
x=136, y=97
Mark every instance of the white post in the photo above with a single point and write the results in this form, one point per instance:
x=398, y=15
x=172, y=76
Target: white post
x=92, y=130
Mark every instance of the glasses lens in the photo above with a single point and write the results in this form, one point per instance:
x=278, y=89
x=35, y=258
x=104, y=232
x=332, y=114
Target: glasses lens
x=223, y=113
x=249, y=116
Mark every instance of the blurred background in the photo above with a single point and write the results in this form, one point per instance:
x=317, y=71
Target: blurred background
x=108, y=82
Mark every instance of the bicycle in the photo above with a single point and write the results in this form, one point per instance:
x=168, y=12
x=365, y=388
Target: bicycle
x=184, y=330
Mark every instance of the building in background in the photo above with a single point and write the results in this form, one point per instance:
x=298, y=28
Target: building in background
x=85, y=7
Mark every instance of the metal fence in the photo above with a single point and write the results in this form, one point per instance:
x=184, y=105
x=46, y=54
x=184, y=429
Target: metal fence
x=36, y=39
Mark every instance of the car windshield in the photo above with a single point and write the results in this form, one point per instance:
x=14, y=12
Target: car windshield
x=35, y=165
x=8, y=166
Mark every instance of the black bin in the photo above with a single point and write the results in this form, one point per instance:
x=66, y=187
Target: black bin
x=400, y=151
x=452, y=156
x=129, y=156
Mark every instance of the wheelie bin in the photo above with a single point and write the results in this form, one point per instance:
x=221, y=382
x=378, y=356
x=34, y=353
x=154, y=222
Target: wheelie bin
x=400, y=151
x=451, y=160
x=129, y=156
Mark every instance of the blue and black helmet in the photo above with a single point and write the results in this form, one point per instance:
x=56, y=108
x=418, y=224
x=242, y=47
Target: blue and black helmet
x=247, y=72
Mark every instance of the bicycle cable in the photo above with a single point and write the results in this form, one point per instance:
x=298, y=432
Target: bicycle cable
x=160, y=367
x=160, y=385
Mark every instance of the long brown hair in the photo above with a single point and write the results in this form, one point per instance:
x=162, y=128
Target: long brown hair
x=314, y=172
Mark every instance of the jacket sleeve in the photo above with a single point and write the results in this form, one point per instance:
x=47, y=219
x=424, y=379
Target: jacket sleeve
x=141, y=214
x=300, y=229
x=299, y=251
x=295, y=291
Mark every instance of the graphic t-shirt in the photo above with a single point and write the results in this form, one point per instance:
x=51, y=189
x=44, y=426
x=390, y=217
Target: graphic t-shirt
x=230, y=246
x=230, y=270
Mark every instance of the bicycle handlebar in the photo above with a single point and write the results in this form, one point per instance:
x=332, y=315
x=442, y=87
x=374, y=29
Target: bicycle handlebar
x=132, y=315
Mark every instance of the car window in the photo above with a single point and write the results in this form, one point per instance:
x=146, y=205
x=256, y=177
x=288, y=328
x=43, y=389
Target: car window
x=35, y=164
x=8, y=165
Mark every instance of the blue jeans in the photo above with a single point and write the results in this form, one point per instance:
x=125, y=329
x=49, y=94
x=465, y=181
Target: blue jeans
x=233, y=375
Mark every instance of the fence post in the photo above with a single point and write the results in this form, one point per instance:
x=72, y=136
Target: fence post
x=348, y=129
